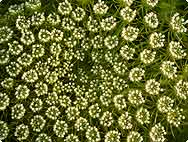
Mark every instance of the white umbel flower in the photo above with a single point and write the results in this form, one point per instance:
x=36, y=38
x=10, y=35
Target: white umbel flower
x=44, y=35
x=15, y=48
x=119, y=102
x=175, y=116
x=182, y=89
x=152, y=3
x=52, y=112
x=22, y=92
x=42, y=137
x=36, y=105
x=151, y=20
x=156, y=40
x=22, y=132
x=78, y=14
x=128, y=2
x=108, y=23
x=4, y=102
x=136, y=74
x=125, y=121
x=64, y=8
x=27, y=37
x=92, y=134
x=100, y=8
x=128, y=14
x=178, y=23
x=112, y=136
x=165, y=104
x=5, y=34
x=157, y=133
x=134, y=136
x=169, y=69
x=176, y=50
x=127, y=52
x=106, y=119
x=53, y=19
x=4, y=130
x=147, y=56
x=18, y=111
x=37, y=123
x=135, y=97
x=60, y=128
x=142, y=116
x=22, y=23
x=130, y=33
x=152, y=87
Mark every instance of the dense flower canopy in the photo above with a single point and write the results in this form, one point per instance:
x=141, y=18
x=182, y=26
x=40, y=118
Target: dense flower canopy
x=109, y=71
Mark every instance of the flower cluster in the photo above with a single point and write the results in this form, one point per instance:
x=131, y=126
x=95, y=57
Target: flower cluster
x=91, y=71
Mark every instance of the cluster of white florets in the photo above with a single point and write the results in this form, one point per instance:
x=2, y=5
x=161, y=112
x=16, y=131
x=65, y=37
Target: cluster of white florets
x=45, y=67
x=178, y=23
x=157, y=133
x=182, y=89
x=176, y=50
x=169, y=69
x=151, y=20
x=125, y=121
x=156, y=40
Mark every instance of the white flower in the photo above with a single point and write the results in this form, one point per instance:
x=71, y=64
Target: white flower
x=156, y=40
x=22, y=132
x=108, y=23
x=142, y=116
x=4, y=101
x=95, y=110
x=125, y=121
x=127, y=52
x=30, y=76
x=182, y=89
x=27, y=37
x=100, y=8
x=22, y=92
x=151, y=20
x=119, y=102
x=4, y=130
x=64, y=8
x=37, y=123
x=128, y=14
x=136, y=74
x=152, y=3
x=18, y=111
x=42, y=137
x=178, y=23
x=152, y=87
x=176, y=50
x=44, y=35
x=78, y=14
x=130, y=33
x=135, y=97
x=106, y=119
x=147, y=56
x=52, y=112
x=175, y=116
x=60, y=128
x=15, y=48
x=72, y=113
x=36, y=104
x=165, y=104
x=169, y=69
x=92, y=134
x=134, y=136
x=112, y=136
x=5, y=34
x=157, y=133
